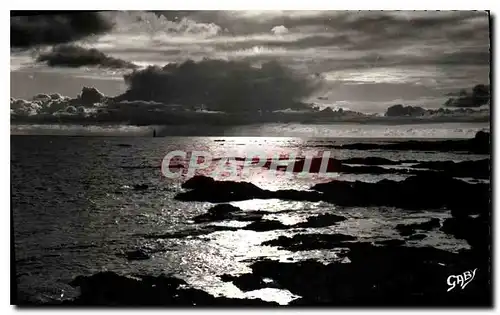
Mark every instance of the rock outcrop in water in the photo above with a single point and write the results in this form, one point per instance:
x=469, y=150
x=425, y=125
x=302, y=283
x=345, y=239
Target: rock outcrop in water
x=217, y=213
x=480, y=144
x=416, y=192
x=432, y=190
x=473, y=168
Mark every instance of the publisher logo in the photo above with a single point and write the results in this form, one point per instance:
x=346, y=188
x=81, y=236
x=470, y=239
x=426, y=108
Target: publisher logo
x=460, y=280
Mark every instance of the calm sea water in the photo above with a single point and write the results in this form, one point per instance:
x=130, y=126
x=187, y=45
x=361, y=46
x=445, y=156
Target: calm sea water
x=342, y=130
x=75, y=210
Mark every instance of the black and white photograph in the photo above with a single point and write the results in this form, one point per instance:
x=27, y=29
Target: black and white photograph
x=257, y=158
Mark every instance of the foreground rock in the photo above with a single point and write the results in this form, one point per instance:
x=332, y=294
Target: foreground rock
x=111, y=289
x=376, y=276
x=476, y=231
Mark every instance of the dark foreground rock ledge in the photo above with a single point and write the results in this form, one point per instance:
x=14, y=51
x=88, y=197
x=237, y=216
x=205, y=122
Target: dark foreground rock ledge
x=110, y=289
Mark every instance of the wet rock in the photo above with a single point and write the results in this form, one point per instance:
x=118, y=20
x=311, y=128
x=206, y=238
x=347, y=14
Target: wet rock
x=108, y=288
x=217, y=213
x=137, y=254
x=300, y=242
x=321, y=220
x=207, y=189
x=312, y=222
x=266, y=225
x=408, y=229
x=197, y=182
x=189, y=232
x=251, y=215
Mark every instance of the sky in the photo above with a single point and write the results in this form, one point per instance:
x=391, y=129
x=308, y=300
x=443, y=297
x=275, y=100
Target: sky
x=369, y=59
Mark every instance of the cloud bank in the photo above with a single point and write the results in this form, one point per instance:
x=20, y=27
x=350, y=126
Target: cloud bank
x=479, y=96
x=219, y=85
x=76, y=56
x=93, y=107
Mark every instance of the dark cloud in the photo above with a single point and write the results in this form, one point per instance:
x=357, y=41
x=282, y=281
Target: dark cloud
x=229, y=86
x=76, y=56
x=417, y=111
x=479, y=96
x=51, y=29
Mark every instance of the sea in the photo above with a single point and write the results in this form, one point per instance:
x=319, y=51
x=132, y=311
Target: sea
x=76, y=210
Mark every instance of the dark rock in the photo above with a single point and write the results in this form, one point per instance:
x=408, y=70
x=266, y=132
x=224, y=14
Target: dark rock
x=207, y=189
x=189, y=232
x=321, y=220
x=300, y=242
x=247, y=282
x=197, y=182
x=416, y=192
x=266, y=225
x=217, y=213
x=478, y=169
x=416, y=237
x=137, y=254
x=408, y=229
x=108, y=288
x=476, y=231
x=477, y=146
x=378, y=276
